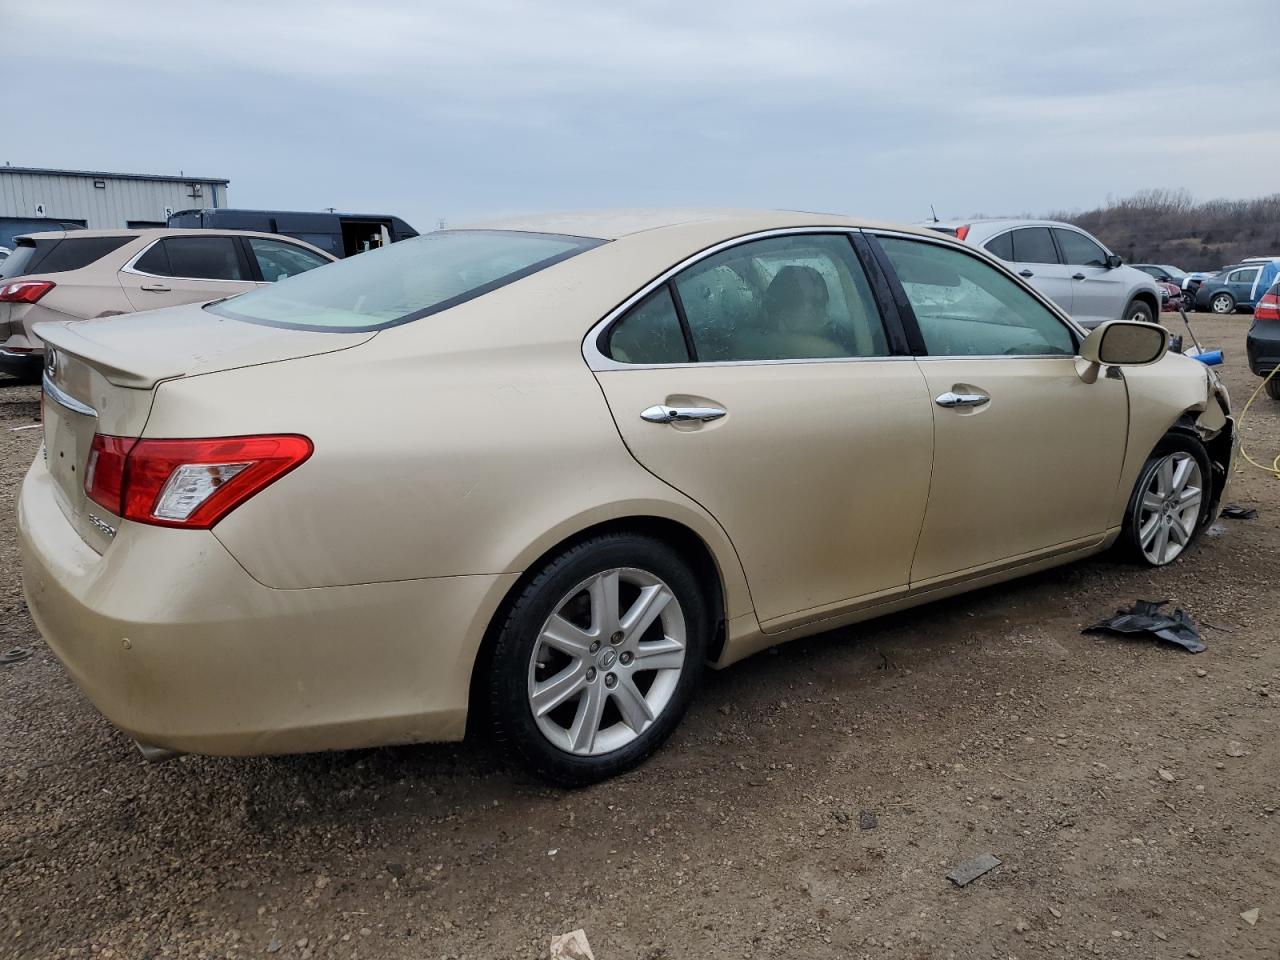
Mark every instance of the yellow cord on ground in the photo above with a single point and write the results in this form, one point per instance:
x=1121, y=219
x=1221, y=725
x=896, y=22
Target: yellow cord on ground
x=1274, y=469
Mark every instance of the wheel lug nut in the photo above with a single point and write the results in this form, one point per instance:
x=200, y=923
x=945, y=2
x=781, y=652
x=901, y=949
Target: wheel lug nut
x=616, y=638
x=591, y=674
x=610, y=680
x=595, y=645
x=626, y=657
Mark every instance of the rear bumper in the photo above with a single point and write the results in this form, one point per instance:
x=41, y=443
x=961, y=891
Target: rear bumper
x=180, y=648
x=1263, y=347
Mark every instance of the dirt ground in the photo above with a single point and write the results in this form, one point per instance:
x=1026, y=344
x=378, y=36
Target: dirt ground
x=810, y=805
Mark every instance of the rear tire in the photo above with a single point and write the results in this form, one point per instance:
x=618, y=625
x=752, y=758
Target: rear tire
x=1169, y=506
x=1273, y=387
x=569, y=695
x=1222, y=303
x=1139, y=312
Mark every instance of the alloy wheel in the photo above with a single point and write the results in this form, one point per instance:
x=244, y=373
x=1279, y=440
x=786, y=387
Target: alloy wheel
x=607, y=661
x=1223, y=304
x=1170, y=507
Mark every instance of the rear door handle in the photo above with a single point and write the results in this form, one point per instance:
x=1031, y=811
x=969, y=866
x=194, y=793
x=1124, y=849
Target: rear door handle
x=1025, y=273
x=155, y=288
x=1077, y=276
x=661, y=413
x=950, y=399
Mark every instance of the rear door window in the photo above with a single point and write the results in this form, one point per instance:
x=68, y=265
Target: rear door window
x=1033, y=245
x=194, y=258
x=205, y=258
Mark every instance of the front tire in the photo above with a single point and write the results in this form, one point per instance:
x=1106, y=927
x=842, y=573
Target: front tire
x=1139, y=312
x=1272, y=387
x=1169, y=505
x=1222, y=303
x=597, y=658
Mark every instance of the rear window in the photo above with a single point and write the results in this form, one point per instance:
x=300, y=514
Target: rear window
x=16, y=264
x=58, y=256
x=403, y=282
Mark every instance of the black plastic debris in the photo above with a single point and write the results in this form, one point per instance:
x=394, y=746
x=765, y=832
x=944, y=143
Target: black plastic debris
x=16, y=655
x=867, y=820
x=1145, y=617
x=971, y=870
x=1233, y=511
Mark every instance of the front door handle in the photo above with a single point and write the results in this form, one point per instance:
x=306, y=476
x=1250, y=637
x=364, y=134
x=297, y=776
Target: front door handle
x=1025, y=273
x=661, y=413
x=155, y=288
x=1077, y=276
x=950, y=399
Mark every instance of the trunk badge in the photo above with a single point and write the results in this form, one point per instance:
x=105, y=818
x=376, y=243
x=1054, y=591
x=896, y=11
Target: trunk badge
x=102, y=525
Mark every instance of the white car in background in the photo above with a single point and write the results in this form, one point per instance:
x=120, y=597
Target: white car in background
x=1067, y=265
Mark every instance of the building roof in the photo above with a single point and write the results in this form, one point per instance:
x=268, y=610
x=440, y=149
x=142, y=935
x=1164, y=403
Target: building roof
x=101, y=174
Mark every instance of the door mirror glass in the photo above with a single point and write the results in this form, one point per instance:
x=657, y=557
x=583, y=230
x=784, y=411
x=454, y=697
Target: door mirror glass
x=1113, y=261
x=1125, y=343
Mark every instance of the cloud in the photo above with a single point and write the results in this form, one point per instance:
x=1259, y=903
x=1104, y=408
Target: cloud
x=461, y=110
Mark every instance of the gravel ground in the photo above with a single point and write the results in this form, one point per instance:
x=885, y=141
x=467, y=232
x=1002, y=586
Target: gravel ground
x=810, y=806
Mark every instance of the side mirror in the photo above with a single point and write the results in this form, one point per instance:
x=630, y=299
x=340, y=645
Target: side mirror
x=1114, y=260
x=1122, y=343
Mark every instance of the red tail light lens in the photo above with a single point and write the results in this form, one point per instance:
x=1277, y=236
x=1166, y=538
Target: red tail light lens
x=962, y=232
x=1268, y=308
x=25, y=291
x=186, y=483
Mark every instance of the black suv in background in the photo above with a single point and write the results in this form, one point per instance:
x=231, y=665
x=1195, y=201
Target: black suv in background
x=341, y=234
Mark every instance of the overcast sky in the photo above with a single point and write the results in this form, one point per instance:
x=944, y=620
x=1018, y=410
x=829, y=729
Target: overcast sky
x=464, y=110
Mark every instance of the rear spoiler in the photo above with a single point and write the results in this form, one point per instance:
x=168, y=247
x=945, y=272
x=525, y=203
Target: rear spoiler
x=119, y=368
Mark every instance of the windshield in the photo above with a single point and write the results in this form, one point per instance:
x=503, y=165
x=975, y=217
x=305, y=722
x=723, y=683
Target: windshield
x=404, y=281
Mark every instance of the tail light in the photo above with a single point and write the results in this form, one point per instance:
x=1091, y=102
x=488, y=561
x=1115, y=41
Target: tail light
x=1268, y=307
x=25, y=291
x=186, y=483
x=962, y=231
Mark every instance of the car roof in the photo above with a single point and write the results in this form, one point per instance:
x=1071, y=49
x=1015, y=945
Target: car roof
x=995, y=223
x=616, y=224
x=150, y=232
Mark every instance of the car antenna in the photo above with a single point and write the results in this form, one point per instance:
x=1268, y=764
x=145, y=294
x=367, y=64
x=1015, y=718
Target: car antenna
x=934, y=212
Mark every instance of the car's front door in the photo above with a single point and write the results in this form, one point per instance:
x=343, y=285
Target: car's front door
x=1098, y=292
x=762, y=382
x=1027, y=456
x=187, y=269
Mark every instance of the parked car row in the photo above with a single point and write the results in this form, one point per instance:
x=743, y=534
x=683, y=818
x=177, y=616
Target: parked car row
x=83, y=274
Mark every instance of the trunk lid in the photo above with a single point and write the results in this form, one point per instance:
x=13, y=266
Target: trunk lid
x=100, y=377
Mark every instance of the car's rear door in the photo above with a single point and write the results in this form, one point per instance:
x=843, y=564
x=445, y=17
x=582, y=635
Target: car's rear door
x=1027, y=456
x=1098, y=293
x=1035, y=258
x=187, y=269
x=762, y=382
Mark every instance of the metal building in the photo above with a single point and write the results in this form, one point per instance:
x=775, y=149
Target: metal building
x=33, y=199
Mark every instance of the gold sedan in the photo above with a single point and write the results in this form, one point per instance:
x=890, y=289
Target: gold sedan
x=534, y=476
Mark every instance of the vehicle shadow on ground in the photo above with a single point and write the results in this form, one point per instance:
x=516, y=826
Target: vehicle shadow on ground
x=429, y=779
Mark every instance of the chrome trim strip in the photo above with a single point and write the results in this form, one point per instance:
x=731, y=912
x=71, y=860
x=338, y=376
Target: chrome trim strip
x=599, y=363
x=991, y=259
x=131, y=269
x=62, y=398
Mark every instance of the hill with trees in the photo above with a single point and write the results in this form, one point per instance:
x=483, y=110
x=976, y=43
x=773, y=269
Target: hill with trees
x=1169, y=226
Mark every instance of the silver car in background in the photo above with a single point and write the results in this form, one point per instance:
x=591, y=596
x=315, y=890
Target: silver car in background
x=1067, y=265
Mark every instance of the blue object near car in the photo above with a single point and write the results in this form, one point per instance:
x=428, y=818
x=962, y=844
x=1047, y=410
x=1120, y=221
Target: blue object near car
x=1240, y=285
